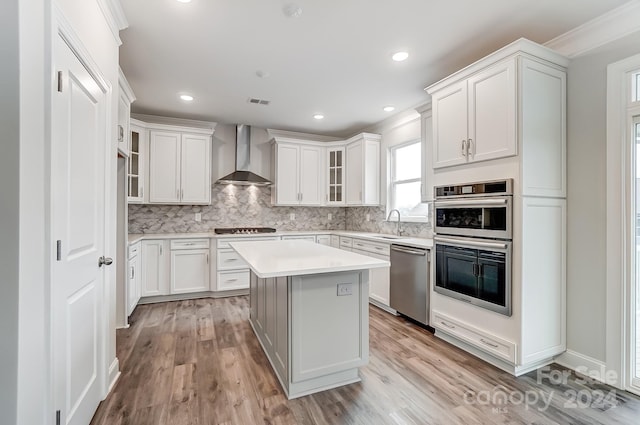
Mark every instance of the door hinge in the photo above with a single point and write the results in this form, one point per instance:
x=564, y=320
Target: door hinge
x=57, y=417
x=60, y=81
x=58, y=250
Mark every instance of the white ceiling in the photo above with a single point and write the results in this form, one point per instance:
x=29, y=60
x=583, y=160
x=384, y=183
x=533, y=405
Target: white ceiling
x=335, y=59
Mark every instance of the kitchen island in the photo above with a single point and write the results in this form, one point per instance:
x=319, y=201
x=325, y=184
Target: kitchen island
x=309, y=310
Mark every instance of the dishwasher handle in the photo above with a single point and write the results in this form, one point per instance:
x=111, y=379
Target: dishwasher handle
x=408, y=250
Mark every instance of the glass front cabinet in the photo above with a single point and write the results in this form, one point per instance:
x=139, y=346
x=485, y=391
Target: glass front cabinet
x=135, y=174
x=335, y=178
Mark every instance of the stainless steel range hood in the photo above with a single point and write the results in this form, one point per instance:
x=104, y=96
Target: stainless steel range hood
x=242, y=175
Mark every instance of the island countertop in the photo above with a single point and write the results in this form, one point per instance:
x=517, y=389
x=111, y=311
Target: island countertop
x=298, y=257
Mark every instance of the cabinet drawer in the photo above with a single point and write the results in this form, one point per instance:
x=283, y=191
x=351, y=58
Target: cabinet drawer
x=346, y=242
x=134, y=250
x=498, y=347
x=228, y=259
x=310, y=238
x=233, y=280
x=376, y=248
x=189, y=244
x=224, y=243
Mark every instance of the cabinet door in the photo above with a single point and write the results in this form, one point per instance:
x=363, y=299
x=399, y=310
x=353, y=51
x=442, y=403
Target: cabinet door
x=189, y=271
x=354, y=174
x=153, y=269
x=449, y=125
x=124, y=109
x=136, y=172
x=379, y=281
x=164, y=167
x=371, y=173
x=133, y=284
x=492, y=112
x=335, y=241
x=195, y=176
x=323, y=240
x=287, y=167
x=335, y=178
x=311, y=175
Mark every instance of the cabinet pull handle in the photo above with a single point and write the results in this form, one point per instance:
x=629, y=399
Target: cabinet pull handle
x=464, y=148
x=207, y=258
x=469, y=143
x=232, y=280
x=133, y=272
x=160, y=249
x=490, y=344
x=231, y=259
x=181, y=194
x=447, y=325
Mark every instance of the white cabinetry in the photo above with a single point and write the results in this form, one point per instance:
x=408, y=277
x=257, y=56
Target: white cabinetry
x=335, y=176
x=299, y=174
x=179, y=168
x=310, y=238
x=334, y=241
x=379, y=279
x=133, y=281
x=323, y=239
x=189, y=266
x=232, y=273
x=138, y=149
x=482, y=112
x=155, y=268
x=125, y=99
x=363, y=170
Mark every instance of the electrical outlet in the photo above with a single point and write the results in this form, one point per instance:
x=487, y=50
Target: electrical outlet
x=368, y=217
x=292, y=217
x=329, y=216
x=198, y=216
x=345, y=289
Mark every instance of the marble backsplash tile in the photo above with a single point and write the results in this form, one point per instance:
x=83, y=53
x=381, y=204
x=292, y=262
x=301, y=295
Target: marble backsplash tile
x=232, y=206
x=357, y=220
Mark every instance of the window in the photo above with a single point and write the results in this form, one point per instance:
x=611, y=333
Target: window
x=405, y=181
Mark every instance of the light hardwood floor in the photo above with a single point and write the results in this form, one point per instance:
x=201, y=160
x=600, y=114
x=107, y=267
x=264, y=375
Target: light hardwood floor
x=198, y=362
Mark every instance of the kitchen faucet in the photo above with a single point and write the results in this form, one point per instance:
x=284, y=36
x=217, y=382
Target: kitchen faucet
x=399, y=230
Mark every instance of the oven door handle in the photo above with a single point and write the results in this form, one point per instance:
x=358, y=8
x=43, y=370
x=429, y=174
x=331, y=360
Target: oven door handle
x=471, y=202
x=480, y=244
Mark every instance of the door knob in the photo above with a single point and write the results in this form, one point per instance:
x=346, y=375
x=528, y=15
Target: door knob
x=105, y=261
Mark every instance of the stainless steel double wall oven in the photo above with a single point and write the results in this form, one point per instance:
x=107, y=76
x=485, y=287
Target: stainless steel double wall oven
x=473, y=226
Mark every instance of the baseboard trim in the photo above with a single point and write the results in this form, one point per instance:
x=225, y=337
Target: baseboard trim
x=586, y=365
x=114, y=374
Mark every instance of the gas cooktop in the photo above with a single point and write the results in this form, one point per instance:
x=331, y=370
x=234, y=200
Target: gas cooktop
x=243, y=230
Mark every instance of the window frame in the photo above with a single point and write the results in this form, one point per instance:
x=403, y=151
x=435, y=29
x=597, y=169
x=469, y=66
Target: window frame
x=392, y=183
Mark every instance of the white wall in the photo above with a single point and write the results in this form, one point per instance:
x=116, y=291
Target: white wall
x=586, y=196
x=9, y=212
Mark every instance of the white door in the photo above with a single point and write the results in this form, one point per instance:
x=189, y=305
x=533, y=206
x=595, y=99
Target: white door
x=196, y=169
x=78, y=153
x=449, y=125
x=492, y=112
x=164, y=167
x=311, y=175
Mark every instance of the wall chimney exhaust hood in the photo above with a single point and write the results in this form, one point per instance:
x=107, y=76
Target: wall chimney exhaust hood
x=242, y=176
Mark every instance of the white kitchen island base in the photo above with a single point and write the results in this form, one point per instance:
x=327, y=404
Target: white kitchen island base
x=314, y=328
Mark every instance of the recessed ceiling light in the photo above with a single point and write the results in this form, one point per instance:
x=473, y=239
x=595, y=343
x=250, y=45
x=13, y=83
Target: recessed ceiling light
x=292, y=10
x=263, y=74
x=400, y=56
x=388, y=108
x=186, y=97
x=318, y=116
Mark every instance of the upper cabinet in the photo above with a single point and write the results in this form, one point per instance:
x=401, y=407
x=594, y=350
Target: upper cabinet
x=179, y=167
x=125, y=99
x=326, y=172
x=363, y=170
x=137, y=156
x=489, y=110
x=298, y=174
x=335, y=177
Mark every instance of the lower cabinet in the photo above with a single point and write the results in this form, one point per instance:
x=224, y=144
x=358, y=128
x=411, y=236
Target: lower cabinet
x=189, y=270
x=323, y=239
x=231, y=272
x=379, y=279
x=155, y=268
x=133, y=281
x=334, y=241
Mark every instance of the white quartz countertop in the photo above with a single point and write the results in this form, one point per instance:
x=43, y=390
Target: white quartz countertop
x=376, y=237
x=297, y=257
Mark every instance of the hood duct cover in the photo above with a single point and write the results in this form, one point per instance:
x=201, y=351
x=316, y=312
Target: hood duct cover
x=242, y=176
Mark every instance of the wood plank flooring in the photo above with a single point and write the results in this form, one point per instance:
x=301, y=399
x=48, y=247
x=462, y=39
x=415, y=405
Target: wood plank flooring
x=198, y=362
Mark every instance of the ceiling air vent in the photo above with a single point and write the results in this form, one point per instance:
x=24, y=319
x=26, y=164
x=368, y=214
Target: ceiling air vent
x=259, y=101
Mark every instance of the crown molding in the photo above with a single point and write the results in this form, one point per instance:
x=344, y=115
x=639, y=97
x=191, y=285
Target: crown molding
x=294, y=135
x=179, y=124
x=124, y=85
x=115, y=17
x=611, y=26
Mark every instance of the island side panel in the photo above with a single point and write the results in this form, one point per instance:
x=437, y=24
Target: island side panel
x=329, y=332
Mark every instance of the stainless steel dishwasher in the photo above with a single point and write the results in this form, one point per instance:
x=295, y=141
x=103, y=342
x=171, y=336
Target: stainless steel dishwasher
x=409, y=293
